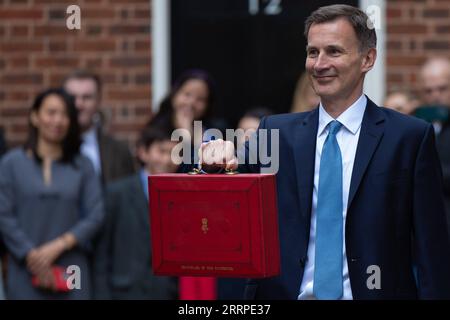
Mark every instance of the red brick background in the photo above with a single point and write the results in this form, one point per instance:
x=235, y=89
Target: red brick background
x=37, y=51
x=416, y=29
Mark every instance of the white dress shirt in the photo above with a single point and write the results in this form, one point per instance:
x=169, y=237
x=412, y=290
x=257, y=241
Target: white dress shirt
x=347, y=139
x=90, y=149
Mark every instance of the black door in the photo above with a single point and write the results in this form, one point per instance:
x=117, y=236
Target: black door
x=255, y=49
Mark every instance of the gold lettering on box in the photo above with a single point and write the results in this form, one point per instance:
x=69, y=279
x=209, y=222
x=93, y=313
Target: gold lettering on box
x=207, y=268
x=205, y=225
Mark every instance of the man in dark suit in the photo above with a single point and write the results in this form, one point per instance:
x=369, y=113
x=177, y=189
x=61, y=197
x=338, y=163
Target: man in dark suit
x=360, y=196
x=110, y=157
x=122, y=266
x=435, y=89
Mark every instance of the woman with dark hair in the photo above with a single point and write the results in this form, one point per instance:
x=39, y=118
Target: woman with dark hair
x=191, y=99
x=50, y=205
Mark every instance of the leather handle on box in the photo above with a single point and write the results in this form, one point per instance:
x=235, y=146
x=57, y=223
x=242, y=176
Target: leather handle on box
x=199, y=170
x=231, y=171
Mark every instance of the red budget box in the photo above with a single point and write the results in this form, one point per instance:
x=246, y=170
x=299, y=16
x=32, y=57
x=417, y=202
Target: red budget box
x=214, y=225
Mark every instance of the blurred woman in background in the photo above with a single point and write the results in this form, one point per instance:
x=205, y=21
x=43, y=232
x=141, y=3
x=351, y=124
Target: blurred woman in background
x=305, y=99
x=50, y=205
x=191, y=99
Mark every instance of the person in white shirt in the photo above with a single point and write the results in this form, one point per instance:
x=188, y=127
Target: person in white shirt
x=111, y=158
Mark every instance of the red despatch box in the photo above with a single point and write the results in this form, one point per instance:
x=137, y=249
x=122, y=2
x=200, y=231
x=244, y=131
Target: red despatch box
x=214, y=225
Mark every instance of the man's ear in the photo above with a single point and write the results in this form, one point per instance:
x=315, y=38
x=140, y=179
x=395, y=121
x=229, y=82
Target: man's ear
x=369, y=59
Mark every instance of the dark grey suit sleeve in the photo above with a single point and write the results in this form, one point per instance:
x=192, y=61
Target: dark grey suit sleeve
x=102, y=263
x=14, y=237
x=127, y=162
x=92, y=216
x=431, y=242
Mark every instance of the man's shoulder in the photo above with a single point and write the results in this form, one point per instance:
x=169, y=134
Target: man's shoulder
x=83, y=162
x=399, y=121
x=286, y=119
x=123, y=184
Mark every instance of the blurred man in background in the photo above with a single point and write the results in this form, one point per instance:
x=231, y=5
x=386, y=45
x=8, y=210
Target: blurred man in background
x=435, y=82
x=111, y=158
x=435, y=89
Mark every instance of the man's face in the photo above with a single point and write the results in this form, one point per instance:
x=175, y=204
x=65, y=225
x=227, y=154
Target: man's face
x=436, y=88
x=157, y=157
x=87, y=99
x=335, y=65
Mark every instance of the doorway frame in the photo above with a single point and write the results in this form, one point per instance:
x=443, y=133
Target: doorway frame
x=375, y=82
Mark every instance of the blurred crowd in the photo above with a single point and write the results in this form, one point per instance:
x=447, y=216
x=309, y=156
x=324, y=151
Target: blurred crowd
x=75, y=195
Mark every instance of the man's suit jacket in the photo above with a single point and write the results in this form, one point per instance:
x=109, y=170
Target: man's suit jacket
x=396, y=195
x=443, y=147
x=122, y=261
x=115, y=158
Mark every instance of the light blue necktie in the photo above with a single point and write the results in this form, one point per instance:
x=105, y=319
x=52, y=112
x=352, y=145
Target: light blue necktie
x=328, y=255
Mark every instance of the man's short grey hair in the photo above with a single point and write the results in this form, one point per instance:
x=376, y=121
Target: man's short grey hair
x=364, y=30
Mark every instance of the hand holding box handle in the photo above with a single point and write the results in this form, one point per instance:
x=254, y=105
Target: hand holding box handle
x=215, y=156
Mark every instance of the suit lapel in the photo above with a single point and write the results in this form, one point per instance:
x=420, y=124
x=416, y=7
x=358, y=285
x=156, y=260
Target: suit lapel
x=372, y=129
x=304, y=154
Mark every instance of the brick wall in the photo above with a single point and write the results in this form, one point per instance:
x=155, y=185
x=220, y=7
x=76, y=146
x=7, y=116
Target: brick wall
x=416, y=29
x=37, y=51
